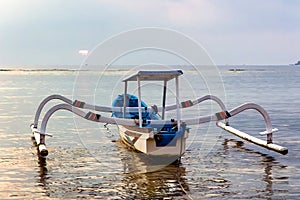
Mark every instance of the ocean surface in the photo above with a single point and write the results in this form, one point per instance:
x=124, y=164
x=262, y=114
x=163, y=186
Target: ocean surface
x=87, y=161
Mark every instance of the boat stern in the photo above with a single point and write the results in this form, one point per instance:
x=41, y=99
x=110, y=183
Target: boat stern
x=156, y=142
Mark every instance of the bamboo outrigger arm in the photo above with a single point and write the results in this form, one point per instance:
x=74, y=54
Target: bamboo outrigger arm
x=189, y=103
x=44, y=102
x=39, y=135
x=83, y=105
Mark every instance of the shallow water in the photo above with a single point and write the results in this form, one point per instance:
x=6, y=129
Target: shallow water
x=88, y=161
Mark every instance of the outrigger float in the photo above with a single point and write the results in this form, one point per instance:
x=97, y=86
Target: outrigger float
x=142, y=128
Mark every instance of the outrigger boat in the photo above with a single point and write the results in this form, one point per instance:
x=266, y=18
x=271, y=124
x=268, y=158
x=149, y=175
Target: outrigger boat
x=142, y=128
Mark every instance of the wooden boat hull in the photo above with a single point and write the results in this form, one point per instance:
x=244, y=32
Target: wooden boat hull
x=146, y=141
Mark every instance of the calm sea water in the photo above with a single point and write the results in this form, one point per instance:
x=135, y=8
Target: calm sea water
x=86, y=160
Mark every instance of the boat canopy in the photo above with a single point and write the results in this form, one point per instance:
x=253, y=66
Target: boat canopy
x=164, y=76
x=154, y=75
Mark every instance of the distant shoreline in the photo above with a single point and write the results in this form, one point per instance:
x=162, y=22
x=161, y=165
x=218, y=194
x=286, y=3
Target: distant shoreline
x=32, y=70
x=232, y=68
x=55, y=70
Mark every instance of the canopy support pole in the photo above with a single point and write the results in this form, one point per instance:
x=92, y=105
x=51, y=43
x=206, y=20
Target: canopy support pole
x=164, y=100
x=140, y=102
x=177, y=103
x=125, y=99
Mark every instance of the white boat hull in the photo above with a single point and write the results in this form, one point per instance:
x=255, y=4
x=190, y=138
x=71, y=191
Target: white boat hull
x=143, y=140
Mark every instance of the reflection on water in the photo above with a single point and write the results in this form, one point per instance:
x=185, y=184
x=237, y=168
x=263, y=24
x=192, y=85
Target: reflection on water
x=43, y=172
x=168, y=181
x=152, y=177
x=140, y=178
x=264, y=162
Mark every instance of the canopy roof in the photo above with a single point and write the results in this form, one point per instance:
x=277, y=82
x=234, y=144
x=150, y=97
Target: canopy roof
x=154, y=75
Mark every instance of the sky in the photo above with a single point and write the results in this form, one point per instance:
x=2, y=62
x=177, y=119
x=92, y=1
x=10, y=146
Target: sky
x=51, y=32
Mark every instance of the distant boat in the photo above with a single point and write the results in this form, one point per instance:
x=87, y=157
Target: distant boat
x=298, y=63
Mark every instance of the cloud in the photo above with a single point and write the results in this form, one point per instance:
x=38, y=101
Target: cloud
x=13, y=11
x=256, y=15
x=83, y=52
x=168, y=12
x=193, y=12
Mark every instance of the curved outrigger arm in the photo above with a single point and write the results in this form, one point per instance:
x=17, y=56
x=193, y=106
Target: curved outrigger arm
x=39, y=135
x=189, y=103
x=71, y=106
x=83, y=105
x=75, y=103
x=43, y=103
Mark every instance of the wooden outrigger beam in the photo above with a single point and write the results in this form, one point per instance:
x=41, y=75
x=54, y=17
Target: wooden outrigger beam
x=245, y=136
x=269, y=130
